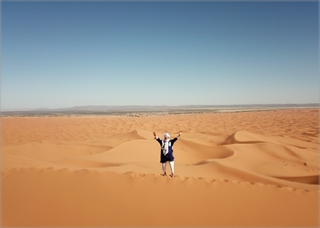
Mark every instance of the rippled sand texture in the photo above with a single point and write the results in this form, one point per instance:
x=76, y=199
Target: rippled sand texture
x=232, y=169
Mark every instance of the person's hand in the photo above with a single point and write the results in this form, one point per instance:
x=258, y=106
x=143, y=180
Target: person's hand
x=180, y=133
x=154, y=134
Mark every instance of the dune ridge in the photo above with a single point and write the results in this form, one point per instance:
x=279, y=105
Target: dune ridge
x=105, y=171
x=115, y=199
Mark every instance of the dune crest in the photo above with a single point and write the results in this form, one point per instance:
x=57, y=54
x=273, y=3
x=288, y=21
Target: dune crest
x=244, y=137
x=92, y=198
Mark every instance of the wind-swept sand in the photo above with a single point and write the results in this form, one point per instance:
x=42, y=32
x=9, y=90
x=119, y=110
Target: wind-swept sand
x=233, y=169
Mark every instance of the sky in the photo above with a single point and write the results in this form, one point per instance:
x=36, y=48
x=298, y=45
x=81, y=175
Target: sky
x=65, y=54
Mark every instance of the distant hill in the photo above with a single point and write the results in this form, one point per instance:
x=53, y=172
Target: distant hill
x=147, y=109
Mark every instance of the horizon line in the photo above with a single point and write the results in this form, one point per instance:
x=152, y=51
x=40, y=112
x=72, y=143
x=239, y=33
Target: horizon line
x=158, y=106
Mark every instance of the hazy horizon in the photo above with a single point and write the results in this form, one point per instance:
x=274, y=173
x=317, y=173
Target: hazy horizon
x=120, y=107
x=66, y=54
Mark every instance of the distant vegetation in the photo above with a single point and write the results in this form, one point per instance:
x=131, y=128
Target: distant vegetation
x=137, y=111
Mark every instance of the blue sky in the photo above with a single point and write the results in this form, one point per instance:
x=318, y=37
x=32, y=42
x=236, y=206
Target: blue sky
x=63, y=54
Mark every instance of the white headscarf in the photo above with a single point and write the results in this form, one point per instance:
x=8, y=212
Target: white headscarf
x=165, y=144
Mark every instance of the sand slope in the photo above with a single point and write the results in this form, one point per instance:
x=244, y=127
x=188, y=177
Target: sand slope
x=258, y=168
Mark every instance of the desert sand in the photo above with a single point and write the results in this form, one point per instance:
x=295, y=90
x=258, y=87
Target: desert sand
x=232, y=169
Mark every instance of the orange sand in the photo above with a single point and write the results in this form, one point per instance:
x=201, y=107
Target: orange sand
x=232, y=169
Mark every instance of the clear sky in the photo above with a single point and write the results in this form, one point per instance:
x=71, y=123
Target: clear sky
x=63, y=54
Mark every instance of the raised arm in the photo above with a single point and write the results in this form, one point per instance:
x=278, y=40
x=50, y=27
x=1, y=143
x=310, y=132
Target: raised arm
x=157, y=138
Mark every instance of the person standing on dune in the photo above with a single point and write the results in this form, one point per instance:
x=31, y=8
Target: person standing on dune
x=166, y=153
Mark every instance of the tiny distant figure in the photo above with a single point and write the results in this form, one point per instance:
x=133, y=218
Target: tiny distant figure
x=166, y=153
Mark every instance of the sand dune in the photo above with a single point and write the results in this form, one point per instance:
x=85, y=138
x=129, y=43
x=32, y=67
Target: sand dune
x=258, y=168
x=91, y=198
